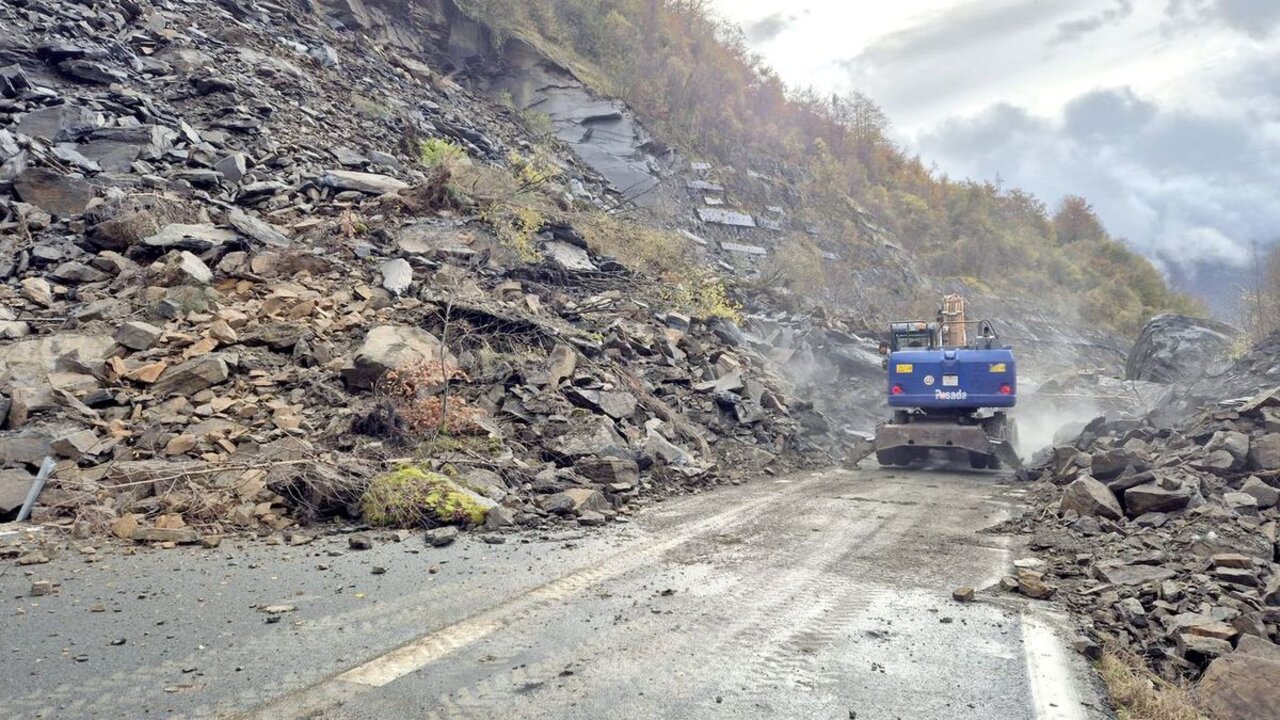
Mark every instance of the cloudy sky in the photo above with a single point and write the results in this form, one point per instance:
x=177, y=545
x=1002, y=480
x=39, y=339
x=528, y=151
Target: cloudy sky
x=1165, y=114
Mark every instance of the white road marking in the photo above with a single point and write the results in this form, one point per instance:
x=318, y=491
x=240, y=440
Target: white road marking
x=1053, y=684
x=441, y=643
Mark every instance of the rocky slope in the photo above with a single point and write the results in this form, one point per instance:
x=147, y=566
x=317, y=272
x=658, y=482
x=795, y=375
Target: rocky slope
x=218, y=239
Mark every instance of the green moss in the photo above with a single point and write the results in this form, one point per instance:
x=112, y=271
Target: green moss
x=445, y=444
x=411, y=496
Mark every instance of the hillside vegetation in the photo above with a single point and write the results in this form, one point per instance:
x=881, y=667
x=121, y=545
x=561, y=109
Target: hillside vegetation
x=697, y=85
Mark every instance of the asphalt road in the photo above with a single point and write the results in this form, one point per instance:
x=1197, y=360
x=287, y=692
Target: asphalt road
x=823, y=595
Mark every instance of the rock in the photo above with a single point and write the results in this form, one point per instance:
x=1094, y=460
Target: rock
x=1154, y=498
x=42, y=587
x=192, y=376
x=1108, y=464
x=560, y=364
x=397, y=275
x=183, y=268
x=608, y=470
x=74, y=272
x=29, y=446
x=1232, y=560
x=278, y=609
x=963, y=594
x=1088, y=497
x=1240, y=686
x=60, y=123
x=369, y=183
x=1032, y=584
x=13, y=329
x=93, y=72
x=14, y=486
x=441, y=536
x=1236, y=444
x=1176, y=348
x=196, y=238
x=360, y=541
x=181, y=536
x=181, y=444
x=391, y=347
x=584, y=499
x=1264, y=454
x=486, y=482
x=498, y=517
x=233, y=167
x=137, y=335
x=256, y=229
x=125, y=526
x=1196, y=648
x=557, y=503
x=588, y=436
x=569, y=257
x=660, y=447
x=55, y=193
x=1242, y=503
x=37, y=290
x=1119, y=573
x=591, y=518
x=1263, y=494
x=74, y=445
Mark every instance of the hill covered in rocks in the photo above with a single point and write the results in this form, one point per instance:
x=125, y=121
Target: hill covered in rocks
x=257, y=256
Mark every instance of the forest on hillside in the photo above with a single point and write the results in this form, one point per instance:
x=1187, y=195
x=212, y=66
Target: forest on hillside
x=694, y=81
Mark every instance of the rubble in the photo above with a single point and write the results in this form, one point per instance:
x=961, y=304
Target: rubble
x=1164, y=542
x=219, y=269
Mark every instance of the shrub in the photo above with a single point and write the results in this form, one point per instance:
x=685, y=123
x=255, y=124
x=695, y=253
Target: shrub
x=418, y=392
x=435, y=152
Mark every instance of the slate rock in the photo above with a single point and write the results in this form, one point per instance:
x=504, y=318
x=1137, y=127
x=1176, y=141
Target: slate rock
x=192, y=376
x=196, y=238
x=1241, y=686
x=1264, y=454
x=391, y=347
x=397, y=275
x=1152, y=497
x=1088, y=497
x=368, y=183
x=137, y=335
x=53, y=192
x=1263, y=494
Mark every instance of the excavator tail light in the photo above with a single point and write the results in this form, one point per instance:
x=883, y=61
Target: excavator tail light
x=896, y=390
x=1006, y=389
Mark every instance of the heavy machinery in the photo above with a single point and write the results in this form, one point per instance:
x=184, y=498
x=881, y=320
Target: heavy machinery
x=948, y=388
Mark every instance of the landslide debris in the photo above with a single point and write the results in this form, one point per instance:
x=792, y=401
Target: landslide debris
x=1164, y=542
x=242, y=287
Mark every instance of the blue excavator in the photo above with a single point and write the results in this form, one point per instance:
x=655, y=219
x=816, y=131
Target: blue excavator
x=950, y=384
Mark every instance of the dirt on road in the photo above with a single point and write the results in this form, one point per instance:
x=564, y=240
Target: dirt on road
x=821, y=595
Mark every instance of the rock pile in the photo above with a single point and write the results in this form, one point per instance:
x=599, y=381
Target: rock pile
x=216, y=242
x=1165, y=540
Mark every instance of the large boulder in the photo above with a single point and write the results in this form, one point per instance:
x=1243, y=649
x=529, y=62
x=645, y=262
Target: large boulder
x=1264, y=454
x=1243, y=685
x=391, y=347
x=1087, y=496
x=1177, y=348
x=1153, y=497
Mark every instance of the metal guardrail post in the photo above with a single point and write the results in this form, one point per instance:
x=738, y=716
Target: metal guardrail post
x=46, y=468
